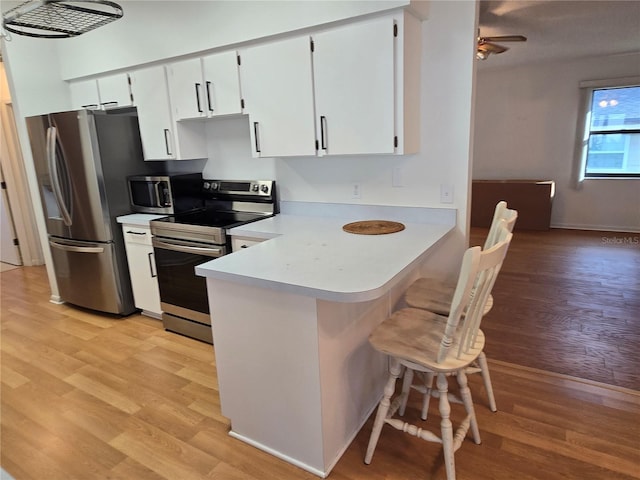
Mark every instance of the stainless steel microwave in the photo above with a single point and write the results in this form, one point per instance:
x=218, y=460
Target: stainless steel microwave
x=165, y=194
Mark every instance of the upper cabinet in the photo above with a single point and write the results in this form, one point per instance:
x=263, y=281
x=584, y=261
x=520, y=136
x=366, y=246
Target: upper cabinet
x=277, y=88
x=109, y=91
x=162, y=137
x=354, y=77
x=205, y=87
x=352, y=89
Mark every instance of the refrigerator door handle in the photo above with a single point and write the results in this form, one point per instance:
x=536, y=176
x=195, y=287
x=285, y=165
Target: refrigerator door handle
x=71, y=248
x=52, y=136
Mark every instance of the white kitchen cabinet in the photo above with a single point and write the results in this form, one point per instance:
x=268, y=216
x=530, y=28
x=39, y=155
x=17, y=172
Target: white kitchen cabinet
x=205, y=87
x=277, y=89
x=240, y=243
x=356, y=93
x=354, y=88
x=162, y=137
x=142, y=269
x=109, y=91
x=84, y=94
x=361, y=72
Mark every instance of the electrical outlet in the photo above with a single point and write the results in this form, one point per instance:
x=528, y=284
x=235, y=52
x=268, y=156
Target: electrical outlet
x=446, y=193
x=356, y=191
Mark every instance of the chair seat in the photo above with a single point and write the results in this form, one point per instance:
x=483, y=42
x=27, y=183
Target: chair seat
x=414, y=335
x=435, y=295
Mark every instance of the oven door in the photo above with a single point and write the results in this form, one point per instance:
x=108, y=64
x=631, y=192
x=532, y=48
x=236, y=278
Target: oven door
x=182, y=292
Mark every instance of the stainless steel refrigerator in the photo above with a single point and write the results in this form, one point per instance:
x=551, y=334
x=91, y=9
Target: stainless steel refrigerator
x=82, y=159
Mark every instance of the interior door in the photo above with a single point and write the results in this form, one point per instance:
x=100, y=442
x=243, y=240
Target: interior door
x=9, y=251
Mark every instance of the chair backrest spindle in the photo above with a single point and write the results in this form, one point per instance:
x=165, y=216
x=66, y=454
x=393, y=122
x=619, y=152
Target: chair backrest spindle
x=478, y=274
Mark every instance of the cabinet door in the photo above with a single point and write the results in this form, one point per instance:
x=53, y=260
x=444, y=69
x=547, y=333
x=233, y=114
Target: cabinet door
x=354, y=88
x=277, y=89
x=150, y=95
x=221, y=84
x=114, y=91
x=84, y=94
x=142, y=269
x=186, y=88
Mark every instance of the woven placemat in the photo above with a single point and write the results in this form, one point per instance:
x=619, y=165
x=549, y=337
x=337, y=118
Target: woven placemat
x=373, y=227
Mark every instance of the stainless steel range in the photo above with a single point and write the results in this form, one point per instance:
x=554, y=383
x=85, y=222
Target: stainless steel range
x=183, y=241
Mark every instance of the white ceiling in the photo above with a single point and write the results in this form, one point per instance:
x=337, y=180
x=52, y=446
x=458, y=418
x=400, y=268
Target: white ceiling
x=560, y=29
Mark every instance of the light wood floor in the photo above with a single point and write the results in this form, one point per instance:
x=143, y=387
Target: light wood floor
x=86, y=396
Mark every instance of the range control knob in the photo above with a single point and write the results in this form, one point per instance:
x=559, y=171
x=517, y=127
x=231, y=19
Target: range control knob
x=206, y=185
x=214, y=185
x=254, y=187
x=265, y=188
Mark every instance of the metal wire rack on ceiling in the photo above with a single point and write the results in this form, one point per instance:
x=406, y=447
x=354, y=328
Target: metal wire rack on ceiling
x=60, y=18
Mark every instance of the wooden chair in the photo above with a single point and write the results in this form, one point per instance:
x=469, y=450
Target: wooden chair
x=435, y=295
x=425, y=342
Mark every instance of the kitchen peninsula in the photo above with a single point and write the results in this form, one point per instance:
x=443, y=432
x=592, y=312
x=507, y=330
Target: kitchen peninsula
x=291, y=316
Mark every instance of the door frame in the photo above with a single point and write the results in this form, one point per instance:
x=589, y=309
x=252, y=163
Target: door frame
x=20, y=201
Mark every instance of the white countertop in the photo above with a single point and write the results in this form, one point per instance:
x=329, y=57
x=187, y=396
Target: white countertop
x=141, y=219
x=311, y=255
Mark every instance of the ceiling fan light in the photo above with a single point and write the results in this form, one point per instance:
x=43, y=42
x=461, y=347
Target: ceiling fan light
x=481, y=55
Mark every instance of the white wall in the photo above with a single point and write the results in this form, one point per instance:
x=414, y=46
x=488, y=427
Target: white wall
x=526, y=120
x=151, y=31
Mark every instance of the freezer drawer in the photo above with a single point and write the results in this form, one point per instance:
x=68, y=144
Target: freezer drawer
x=88, y=276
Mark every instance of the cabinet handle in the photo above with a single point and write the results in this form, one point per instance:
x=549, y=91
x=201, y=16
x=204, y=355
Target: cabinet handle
x=90, y=106
x=150, y=258
x=198, y=97
x=208, y=85
x=323, y=123
x=167, y=132
x=255, y=134
x=136, y=233
x=244, y=246
x=104, y=104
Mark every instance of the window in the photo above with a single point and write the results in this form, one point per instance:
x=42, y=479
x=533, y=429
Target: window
x=611, y=140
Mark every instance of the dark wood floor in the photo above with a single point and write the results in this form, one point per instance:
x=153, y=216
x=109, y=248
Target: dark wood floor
x=568, y=301
x=84, y=396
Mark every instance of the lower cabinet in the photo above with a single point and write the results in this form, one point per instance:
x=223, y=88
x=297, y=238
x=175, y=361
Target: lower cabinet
x=238, y=243
x=142, y=269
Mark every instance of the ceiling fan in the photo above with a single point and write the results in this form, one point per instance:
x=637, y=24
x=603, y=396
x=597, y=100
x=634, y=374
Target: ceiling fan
x=486, y=46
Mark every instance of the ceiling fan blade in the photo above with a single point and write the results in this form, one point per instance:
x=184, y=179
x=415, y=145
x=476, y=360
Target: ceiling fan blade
x=504, y=38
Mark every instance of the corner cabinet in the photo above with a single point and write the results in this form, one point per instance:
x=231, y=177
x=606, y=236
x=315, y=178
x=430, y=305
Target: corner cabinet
x=162, y=137
x=277, y=89
x=205, y=87
x=142, y=269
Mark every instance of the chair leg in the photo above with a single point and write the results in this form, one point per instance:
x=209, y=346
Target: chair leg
x=486, y=378
x=406, y=387
x=465, y=393
x=428, y=385
x=446, y=427
x=383, y=408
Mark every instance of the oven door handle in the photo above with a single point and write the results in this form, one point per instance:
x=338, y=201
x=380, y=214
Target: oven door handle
x=207, y=251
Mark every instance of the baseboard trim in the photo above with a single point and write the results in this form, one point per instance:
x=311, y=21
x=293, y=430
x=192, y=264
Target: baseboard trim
x=57, y=299
x=596, y=228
